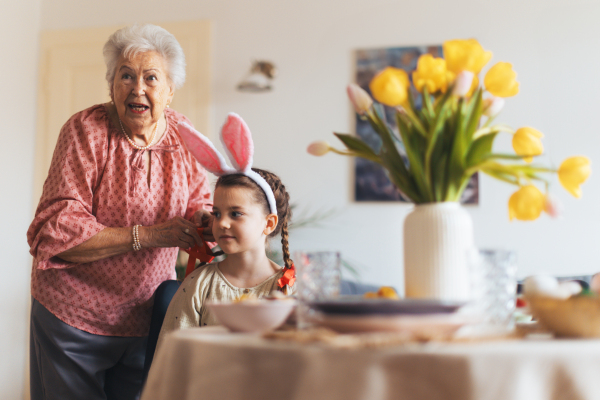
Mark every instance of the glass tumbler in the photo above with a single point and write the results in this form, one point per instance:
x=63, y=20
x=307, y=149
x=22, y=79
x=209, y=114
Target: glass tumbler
x=317, y=279
x=494, y=288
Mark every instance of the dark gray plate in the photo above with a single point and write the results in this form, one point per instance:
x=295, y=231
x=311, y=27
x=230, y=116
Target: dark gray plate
x=354, y=305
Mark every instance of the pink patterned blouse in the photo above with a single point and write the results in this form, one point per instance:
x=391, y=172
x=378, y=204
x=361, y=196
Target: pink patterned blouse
x=98, y=180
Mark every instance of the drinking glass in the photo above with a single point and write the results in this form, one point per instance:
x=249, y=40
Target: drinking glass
x=317, y=279
x=493, y=288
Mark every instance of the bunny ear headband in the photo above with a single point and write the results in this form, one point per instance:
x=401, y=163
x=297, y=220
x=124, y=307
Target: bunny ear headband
x=237, y=140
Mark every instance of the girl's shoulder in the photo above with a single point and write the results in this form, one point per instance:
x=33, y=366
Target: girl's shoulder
x=200, y=275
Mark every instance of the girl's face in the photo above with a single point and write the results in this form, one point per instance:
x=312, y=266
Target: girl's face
x=240, y=223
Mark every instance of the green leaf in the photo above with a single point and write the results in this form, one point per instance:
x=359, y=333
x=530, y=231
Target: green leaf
x=474, y=112
x=501, y=176
x=501, y=156
x=468, y=115
x=435, y=139
x=377, y=123
x=441, y=101
x=415, y=121
x=518, y=171
x=411, y=100
x=358, y=146
x=413, y=152
x=456, y=161
x=391, y=158
x=435, y=131
x=480, y=149
x=398, y=176
x=427, y=106
x=439, y=177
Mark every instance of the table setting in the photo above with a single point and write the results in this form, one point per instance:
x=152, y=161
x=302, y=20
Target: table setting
x=458, y=329
x=378, y=345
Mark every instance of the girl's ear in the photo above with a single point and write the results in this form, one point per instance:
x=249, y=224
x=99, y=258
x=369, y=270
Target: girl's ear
x=272, y=220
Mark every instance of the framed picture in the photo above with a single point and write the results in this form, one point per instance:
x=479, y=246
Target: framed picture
x=371, y=181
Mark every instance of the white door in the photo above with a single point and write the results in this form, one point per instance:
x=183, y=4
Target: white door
x=72, y=78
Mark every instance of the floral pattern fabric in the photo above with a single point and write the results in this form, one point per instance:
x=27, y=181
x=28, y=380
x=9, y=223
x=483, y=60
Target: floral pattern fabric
x=98, y=180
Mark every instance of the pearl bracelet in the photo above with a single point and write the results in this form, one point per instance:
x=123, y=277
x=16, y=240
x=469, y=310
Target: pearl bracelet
x=136, y=238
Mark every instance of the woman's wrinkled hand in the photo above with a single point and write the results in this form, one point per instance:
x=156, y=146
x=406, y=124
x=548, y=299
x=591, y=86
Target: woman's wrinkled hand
x=204, y=220
x=176, y=232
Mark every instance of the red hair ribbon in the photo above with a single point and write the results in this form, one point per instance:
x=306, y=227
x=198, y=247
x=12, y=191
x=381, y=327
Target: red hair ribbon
x=288, y=278
x=202, y=253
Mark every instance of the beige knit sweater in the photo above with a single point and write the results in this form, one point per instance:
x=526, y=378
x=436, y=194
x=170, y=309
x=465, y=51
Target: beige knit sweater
x=188, y=307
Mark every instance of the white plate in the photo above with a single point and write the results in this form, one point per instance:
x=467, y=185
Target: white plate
x=430, y=324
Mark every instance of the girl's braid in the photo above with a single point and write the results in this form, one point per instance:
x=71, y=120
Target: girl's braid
x=284, y=212
x=284, y=232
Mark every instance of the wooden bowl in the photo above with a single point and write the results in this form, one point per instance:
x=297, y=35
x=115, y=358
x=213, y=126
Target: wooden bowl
x=577, y=316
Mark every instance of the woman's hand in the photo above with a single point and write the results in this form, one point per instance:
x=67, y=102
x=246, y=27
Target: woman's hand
x=176, y=232
x=204, y=219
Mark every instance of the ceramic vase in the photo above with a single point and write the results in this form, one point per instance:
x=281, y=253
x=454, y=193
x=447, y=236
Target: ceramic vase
x=437, y=237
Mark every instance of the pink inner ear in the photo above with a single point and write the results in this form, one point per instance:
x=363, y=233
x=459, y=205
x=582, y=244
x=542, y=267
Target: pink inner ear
x=202, y=149
x=237, y=139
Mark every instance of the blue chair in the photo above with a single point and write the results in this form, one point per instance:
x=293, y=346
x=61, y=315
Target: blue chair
x=162, y=297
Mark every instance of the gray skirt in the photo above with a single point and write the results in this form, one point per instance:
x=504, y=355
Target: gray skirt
x=68, y=363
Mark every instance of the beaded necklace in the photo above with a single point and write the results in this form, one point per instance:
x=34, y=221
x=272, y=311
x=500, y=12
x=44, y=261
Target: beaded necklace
x=134, y=144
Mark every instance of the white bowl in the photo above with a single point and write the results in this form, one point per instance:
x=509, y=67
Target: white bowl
x=253, y=315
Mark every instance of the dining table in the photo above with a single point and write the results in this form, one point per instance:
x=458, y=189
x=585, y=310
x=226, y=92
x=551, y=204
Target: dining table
x=213, y=363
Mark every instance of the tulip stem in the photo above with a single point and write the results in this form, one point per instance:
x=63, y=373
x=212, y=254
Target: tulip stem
x=486, y=130
x=344, y=153
x=354, y=154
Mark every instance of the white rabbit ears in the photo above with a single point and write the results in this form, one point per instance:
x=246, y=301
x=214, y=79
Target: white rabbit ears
x=237, y=140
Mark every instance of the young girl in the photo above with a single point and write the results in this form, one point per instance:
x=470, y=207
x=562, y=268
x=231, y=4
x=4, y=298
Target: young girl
x=249, y=205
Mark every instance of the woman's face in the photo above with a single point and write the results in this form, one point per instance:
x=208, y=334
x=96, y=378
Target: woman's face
x=141, y=90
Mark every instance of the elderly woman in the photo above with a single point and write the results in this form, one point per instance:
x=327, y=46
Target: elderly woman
x=122, y=194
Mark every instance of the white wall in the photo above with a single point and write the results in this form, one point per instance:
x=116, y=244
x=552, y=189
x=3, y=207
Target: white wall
x=19, y=30
x=553, y=46
x=554, y=49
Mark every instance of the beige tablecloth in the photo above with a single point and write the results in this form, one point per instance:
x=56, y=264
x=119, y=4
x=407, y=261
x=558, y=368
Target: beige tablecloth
x=210, y=363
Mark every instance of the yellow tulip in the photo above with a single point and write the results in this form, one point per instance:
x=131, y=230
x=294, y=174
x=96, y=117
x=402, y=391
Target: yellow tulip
x=465, y=55
x=573, y=172
x=526, y=204
x=526, y=142
x=390, y=86
x=501, y=80
x=431, y=72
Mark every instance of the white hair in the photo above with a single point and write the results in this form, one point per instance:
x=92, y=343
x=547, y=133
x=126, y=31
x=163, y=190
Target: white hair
x=135, y=39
